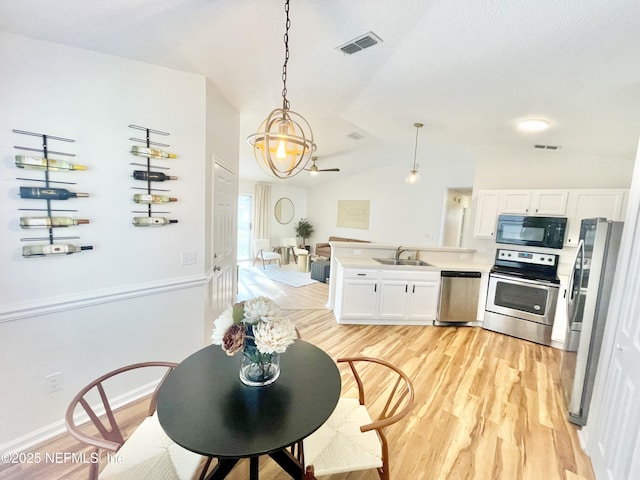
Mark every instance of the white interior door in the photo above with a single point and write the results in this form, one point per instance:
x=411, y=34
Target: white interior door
x=223, y=284
x=613, y=437
x=618, y=421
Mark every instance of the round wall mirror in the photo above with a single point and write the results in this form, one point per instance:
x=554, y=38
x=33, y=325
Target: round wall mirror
x=284, y=211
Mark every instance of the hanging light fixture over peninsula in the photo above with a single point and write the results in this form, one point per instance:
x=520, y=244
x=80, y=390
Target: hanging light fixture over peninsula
x=283, y=144
x=414, y=176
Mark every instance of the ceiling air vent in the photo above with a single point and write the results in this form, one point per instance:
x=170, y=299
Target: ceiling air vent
x=367, y=40
x=547, y=147
x=355, y=136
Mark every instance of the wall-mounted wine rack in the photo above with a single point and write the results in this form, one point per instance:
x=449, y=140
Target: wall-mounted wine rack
x=151, y=176
x=49, y=192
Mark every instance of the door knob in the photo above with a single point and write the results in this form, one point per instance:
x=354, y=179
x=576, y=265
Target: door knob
x=217, y=268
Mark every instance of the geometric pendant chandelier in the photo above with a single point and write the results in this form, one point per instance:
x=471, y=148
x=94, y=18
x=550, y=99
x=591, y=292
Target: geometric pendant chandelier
x=283, y=144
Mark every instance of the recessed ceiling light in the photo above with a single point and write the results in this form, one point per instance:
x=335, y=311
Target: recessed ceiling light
x=533, y=125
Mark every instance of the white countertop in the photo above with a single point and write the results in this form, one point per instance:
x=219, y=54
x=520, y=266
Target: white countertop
x=457, y=265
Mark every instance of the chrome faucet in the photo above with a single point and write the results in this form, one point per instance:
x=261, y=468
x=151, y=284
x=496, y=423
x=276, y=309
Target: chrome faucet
x=399, y=251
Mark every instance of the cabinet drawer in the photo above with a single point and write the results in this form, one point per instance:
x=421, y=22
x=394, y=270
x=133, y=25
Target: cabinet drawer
x=410, y=274
x=360, y=273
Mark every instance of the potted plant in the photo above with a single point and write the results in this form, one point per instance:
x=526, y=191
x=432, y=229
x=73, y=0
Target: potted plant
x=304, y=230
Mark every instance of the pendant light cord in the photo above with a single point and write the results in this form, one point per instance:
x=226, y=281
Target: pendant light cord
x=415, y=152
x=285, y=102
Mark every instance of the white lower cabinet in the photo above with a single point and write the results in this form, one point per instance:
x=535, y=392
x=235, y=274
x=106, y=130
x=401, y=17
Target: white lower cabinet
x=422, y=300
x=359, y=299
x=402, y=296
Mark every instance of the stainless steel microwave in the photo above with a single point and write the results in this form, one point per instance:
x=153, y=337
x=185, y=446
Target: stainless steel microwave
x=545, y=232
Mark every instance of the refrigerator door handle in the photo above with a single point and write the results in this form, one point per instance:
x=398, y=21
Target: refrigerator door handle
x=570, y=304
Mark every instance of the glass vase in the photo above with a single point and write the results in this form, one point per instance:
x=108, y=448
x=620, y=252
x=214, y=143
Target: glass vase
x=259, y=369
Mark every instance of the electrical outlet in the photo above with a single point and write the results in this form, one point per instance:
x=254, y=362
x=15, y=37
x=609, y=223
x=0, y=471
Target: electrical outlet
x=54, y=382
x=188, y=258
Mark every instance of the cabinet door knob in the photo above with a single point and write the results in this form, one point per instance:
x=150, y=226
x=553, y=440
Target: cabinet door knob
x=619, y=347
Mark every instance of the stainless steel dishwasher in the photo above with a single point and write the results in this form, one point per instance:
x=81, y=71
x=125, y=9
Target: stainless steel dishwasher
x=459, y=294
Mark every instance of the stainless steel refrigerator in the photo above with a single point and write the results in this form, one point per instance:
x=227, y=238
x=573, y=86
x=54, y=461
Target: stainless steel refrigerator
x=588, y=294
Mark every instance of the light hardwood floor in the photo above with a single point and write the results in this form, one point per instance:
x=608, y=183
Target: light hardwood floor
x=488, y=406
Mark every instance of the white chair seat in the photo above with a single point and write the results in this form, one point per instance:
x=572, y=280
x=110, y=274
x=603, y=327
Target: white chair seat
x=339, y=446
x=270, y=255
x=150, y=454
x=263, y=252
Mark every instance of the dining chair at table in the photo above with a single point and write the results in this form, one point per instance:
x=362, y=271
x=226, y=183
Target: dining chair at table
x=262, y=251
x=148, y=453
x=350, y=440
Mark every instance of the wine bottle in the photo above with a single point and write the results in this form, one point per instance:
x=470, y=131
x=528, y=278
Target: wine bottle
x=151, y=221
x=151, y=152
x=50, y=222
x=148, y=198
x=49, y=193
x=153, y=176
x=53, y=249
x=39, y=163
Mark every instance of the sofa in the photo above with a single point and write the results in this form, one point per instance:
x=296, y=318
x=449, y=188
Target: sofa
x=324, y=249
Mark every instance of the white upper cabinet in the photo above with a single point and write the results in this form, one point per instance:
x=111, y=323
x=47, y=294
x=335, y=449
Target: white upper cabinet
x=549, y=202
x=487, y=213
x=515, y=201
x=575, y=204
x=534, y=202
x=605, y=203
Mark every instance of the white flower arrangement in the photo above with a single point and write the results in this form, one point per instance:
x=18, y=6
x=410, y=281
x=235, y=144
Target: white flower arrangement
x=254, y=327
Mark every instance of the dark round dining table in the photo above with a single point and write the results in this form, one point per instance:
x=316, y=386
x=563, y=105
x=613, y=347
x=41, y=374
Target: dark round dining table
x=204, y=407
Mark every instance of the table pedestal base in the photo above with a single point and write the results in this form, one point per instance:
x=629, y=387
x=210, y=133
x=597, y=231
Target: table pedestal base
x=287, y=462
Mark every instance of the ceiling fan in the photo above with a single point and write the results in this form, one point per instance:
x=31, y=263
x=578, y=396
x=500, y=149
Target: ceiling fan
x=314, y=168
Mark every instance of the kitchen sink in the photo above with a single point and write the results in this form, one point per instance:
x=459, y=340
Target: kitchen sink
x=393, y=261
x=414, y=262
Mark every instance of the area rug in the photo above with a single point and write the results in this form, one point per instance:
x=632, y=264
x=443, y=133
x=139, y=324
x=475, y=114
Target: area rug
x=287, y=274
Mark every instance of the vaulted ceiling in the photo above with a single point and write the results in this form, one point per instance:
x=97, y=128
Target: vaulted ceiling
x=468, y=70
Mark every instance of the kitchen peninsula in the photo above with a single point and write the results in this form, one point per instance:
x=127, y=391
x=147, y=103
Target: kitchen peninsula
x=367, y=287
x=366, y=290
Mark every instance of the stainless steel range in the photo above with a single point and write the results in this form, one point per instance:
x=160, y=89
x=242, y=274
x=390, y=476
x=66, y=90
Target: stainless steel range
x=522, y=295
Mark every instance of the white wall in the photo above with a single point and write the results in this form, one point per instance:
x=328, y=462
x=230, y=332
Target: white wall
x=510, y=169
x=129, y=299
x=399, y=213
x=413, y=214
x=530, y=168
x=279, y=190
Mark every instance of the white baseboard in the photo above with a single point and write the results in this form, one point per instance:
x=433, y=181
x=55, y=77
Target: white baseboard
x=44, y=434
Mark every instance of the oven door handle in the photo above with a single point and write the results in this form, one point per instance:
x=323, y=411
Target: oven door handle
x=512, y=279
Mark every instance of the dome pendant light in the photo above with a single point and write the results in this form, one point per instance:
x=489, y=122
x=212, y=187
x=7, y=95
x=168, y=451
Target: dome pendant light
x=414, y=176
x=283, y=144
